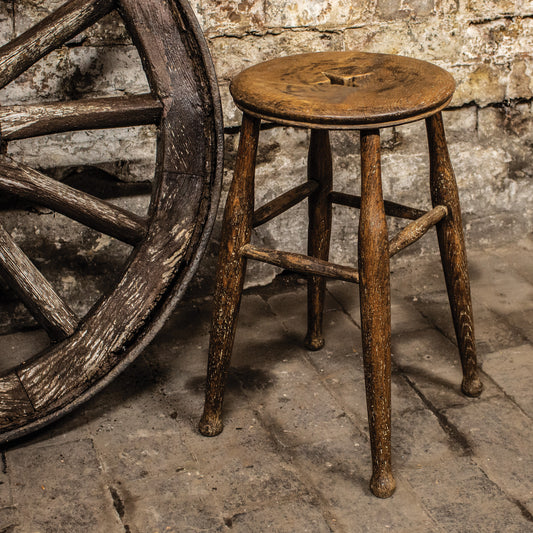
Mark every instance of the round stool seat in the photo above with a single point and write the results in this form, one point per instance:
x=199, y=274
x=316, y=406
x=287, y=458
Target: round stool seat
x=352, y=90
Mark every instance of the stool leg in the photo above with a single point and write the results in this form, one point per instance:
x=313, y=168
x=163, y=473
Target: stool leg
x=320, y=170
x=374, y=287
x=453, y=252
x=236, y=232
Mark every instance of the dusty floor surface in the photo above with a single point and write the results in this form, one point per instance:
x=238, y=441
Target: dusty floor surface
x=294, y=455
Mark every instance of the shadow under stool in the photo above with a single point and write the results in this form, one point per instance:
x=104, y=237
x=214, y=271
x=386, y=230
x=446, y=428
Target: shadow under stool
x=342, y=91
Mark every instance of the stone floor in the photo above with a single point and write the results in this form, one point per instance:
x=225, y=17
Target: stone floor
x=294, y=455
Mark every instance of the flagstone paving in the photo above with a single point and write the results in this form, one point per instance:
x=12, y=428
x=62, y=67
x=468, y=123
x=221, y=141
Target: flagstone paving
x=294, y=455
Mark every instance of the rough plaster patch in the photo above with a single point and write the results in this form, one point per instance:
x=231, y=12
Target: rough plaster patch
x=486, y=44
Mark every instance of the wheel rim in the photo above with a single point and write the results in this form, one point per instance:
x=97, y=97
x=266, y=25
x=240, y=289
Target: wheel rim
x=169, y=243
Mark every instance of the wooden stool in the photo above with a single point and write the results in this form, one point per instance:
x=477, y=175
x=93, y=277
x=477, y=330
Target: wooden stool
x=330, y=91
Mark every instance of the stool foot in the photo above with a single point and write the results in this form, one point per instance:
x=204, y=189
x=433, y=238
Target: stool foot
x=374, y=289
x=236, y=232
x=319, y=169
x=383, y=484
x=453, y=252
x=314, y=342
x=210, y=426
x=472, y=387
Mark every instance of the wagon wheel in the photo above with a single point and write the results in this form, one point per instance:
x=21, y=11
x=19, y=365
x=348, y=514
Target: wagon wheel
x=87, y=353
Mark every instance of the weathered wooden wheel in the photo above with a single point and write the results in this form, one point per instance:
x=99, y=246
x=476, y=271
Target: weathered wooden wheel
x=87, y=353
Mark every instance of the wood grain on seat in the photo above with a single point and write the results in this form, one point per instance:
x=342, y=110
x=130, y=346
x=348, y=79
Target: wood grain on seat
x=343, y=90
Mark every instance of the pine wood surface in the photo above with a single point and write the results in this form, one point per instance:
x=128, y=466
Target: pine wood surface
x=168, y=244
x=416, y=229
x=327, y=91
x=35, y=290
x=343, y=90
x=32, y=120
x=392, y=209
x=453, y=252
x=28, y=183
x=283, y=202
x=231, y=267
x=300, y=263
x=319, y=169
x=55, y=30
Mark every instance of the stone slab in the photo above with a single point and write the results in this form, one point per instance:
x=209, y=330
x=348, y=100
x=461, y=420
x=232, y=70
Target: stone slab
x=500, y=435
x=295, y=450
x=289, y=517
x=49, y=496
x=456, y=492
x=512, y=370
x=340, y=470
x=431, y=363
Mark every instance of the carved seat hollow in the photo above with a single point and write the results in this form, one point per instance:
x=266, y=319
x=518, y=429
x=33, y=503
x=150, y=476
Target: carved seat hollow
x=350, y=91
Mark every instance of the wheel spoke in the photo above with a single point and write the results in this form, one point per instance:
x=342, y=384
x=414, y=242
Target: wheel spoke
x=168, y=64
x=56, y=29
x=35, y=290
x=183, y=208
x=24, y=121
x=28, y=183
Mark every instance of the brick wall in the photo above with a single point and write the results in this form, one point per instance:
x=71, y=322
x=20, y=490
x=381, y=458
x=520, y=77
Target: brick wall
x=486, y=45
